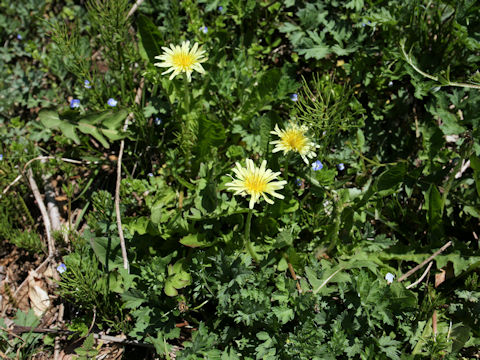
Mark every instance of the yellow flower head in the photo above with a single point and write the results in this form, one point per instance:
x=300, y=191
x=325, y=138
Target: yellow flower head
x=293, y=138
x=181, y=58
x=256, y=182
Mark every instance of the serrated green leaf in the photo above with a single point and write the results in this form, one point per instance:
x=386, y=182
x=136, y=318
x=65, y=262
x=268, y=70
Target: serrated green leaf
x=93, y=130
x=132, y=299
x=69, y=131
x=211, y=133
x=283, y=314
x=114, y=121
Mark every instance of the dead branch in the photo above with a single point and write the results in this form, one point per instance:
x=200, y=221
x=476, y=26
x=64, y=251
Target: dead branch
x=421, y=277
x=126, y=266
x=43, y=210
x=419, y=266
x=134, y=7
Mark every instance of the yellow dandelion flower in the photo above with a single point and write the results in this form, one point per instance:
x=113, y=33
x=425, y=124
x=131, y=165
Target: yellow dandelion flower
x=256, y=182
x=181, y=58
x=293, y=138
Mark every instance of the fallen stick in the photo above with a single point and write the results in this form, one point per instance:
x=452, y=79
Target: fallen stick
x=40, y=158
x=294, y=276
x=134, y=7
x=116, y=339
x=126, y=266
x=44, y=212
x=421, y=277
x=419, y=266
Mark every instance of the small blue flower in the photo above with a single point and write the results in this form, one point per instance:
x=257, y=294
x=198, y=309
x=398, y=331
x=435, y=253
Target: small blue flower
x=299, y=182
x=220, y=8
x=1, y=157
x=112, y=102
x=61, y=268
x=390, y=83
x=294, y=97
x=19, y=37
x=317, y=165
x=204, y=29
x=75, y=103
x=87, y=85
x=158, y=121
x=341, y=167
x=150, y=174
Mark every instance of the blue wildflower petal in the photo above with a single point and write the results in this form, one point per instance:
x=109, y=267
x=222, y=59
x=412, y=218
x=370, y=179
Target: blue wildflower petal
x=317, y=165
x=61, y=268
x=75, y=103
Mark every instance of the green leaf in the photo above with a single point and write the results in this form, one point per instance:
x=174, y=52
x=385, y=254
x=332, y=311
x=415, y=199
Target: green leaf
x=211, y=133
x=317, y=52
x=132, y=299
x=49, y=119
x=390, y=347
x=209, y=196
x=150, y=36
x=391, y=177
x=475, y=164
x=283, y=313
x=169, y=289
x=114, y=121
x=434, y=205
x=195, y=240
x=69, y=131
x=283, y=239
x=113, y=134
x=93, y=130
x=96, y=118
x=265, y=128
x=107, y=250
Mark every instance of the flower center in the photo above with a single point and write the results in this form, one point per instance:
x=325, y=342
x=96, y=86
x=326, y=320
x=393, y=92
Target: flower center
x=294, y=140
x=183, y=60
x=255, y=183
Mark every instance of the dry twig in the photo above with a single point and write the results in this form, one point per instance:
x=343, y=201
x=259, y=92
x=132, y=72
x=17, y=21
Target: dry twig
x=119, y=179
x=43, y=210
x=134, y=7
x=294, y=276
x=40, y=158
x=421, y=277
x=419, y=266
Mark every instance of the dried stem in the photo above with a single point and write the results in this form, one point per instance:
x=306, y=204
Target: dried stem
x=126, y=266
x=43, y=210
x=134, y=7
x=419, y=266
x=421, y=277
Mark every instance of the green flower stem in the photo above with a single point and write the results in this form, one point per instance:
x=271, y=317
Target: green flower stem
x=285, y=168
x=186, y=94
x=248, y=244
x=332, y=232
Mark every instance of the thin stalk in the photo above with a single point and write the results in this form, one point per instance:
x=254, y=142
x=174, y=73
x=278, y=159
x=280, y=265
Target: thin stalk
x=186, y=94
x=248, y=244
x=285, y=168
